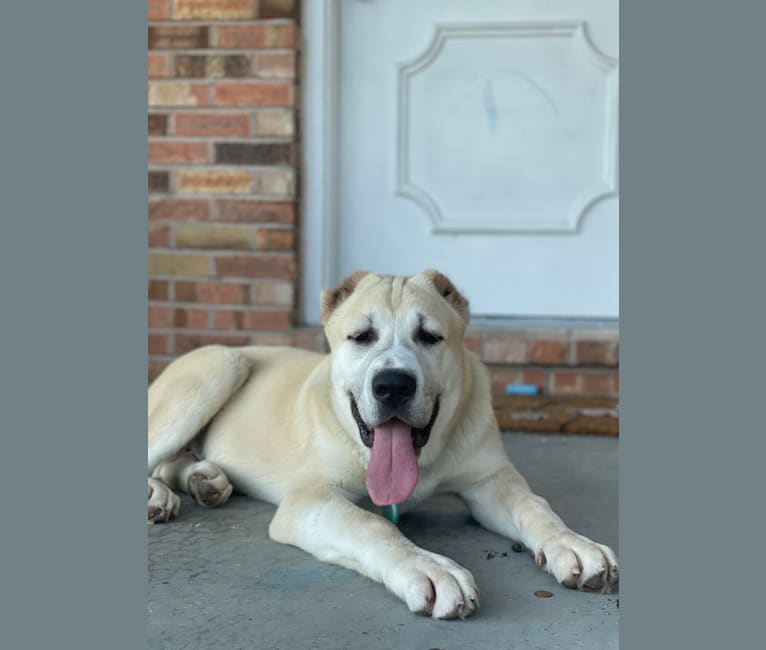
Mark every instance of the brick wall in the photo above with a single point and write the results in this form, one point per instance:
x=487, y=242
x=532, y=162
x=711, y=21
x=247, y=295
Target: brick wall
x=223, y=175
x=559, y=362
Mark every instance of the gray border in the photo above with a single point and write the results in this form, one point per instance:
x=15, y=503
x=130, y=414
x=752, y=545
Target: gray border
x=73, y=344
x=73, y=260
x=691, y=344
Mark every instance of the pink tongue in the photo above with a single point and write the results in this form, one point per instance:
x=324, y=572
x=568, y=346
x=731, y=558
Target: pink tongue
x=393, y=470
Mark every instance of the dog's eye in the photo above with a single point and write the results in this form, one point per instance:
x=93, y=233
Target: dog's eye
x=363, y=338
x=427, y=338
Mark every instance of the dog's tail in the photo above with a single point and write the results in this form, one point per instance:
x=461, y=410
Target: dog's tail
x=188, y=393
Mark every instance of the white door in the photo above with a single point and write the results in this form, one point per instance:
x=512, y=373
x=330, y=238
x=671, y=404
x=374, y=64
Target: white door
x=479, y=138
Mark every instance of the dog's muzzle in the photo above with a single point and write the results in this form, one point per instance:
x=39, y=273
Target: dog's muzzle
x=420, y=435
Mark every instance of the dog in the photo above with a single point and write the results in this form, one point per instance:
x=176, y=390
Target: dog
x=398, y=410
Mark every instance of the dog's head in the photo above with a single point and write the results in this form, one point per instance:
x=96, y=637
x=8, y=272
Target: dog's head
x=398, y=370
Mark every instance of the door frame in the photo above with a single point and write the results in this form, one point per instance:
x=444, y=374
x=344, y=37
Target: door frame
x=320, y=105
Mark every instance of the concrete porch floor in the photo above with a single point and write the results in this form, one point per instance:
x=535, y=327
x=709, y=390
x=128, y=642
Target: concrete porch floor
x=217, y=582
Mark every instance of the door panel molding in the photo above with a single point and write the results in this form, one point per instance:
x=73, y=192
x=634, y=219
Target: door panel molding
x=602, y=184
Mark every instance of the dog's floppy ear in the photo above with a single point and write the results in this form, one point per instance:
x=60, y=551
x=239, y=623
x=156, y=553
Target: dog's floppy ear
x=449, y=292
x=331, y=300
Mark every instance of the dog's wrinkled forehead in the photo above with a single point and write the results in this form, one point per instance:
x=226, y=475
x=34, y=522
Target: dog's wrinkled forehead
x=393, y=299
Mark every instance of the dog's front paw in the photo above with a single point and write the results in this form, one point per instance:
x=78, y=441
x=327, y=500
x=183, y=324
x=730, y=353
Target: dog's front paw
x=209, y=485
x=163, y=504
x=577, y=562
x=434, y=585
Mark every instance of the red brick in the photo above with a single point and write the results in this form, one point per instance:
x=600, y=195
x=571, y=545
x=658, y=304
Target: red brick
x=208, y=235
x=173, y=317
x=501, y=376
x=158, y=181
x=548, y=352
x=504, y=347
x=197, y=66
x=214, y=181
x=185, y=291
x=213, y=293
x=158, y=290
x=164, y=151
x=252, y=320
x=276, y=65
x=248, y=94
x=566, y=382
x=596, y=353
x=207, y=124
x=254, y=153
x=268, y=320
x=178, y=209
x=159, y=65
x=187, y=342
x=159, y=343
x=177, y=93
x=248, y=37
x=190, y=66
x=598, y=384
x=255, y=211
x=213, y=9
x=159, y=10
x=256, y=266
x=230, y=66
x=537, y=378
x=196, y=319
x=157, y=124
x=177, y=37
x=277, y=8
x=160, y=316
x=275, y=239
x=227, y=320
x=159, y=236
x=172, y=263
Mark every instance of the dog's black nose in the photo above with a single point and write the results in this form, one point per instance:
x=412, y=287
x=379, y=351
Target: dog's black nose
x=393, y=388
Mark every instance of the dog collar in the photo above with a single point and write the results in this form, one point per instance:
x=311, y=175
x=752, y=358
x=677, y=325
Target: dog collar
x=391, y=513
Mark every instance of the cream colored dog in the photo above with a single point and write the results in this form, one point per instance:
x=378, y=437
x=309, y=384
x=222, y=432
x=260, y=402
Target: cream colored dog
x=399, y=410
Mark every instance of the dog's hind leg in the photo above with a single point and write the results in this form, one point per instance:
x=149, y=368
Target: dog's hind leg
x=186, y=396
x=204, y=480
x=182, y=400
